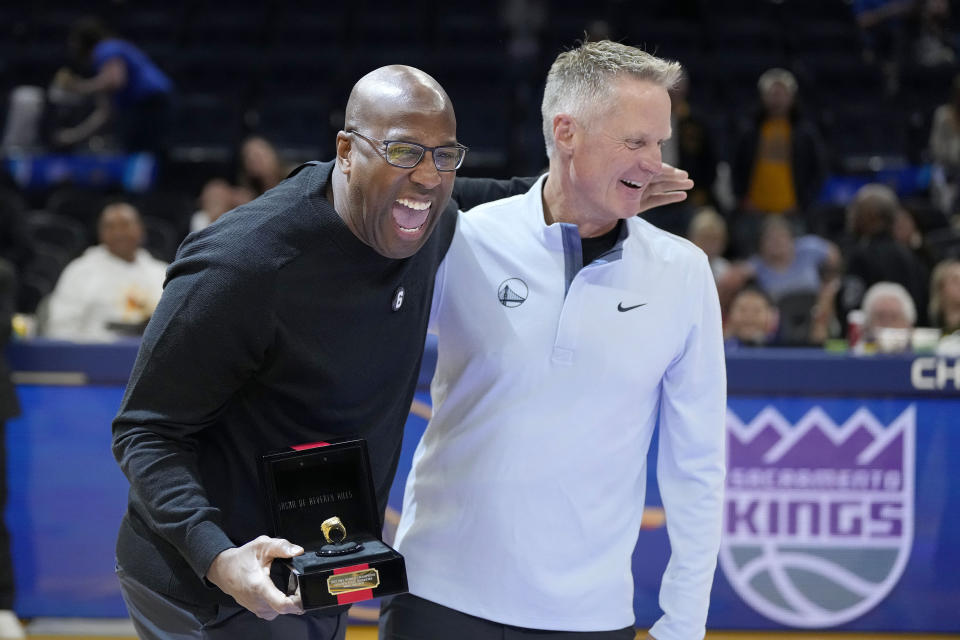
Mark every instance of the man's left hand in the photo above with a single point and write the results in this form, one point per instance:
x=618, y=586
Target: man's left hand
x=244, y=574
x=669, y=186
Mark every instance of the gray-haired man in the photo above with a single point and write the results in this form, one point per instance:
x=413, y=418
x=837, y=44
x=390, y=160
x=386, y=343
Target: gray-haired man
x=568, y=328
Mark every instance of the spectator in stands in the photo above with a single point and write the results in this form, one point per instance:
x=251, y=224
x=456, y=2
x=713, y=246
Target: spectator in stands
x=888, y=308
x=883, y=25
x=934, y=43
x=112, y=289
x=218, y=197
x=786, y=265
x=800, y=275
x=906, y=231
x=260, y=166
x=874, y=255
x=778, y=164
x=708, y=230
x=945, y=152
x=131, y=90
x=945, y=296
x=24, y=119
x=15, y=245
x=10, y=626
x=691, y=146
x=751, y=321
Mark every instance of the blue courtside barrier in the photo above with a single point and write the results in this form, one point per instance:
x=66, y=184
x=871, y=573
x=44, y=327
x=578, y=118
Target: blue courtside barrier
x=134, y=172
x=842, y=506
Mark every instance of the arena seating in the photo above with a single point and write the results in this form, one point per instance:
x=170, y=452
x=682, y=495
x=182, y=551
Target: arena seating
x=283, y=70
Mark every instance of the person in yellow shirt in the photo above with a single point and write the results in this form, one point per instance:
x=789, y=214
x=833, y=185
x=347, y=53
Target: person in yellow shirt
x=778, y=165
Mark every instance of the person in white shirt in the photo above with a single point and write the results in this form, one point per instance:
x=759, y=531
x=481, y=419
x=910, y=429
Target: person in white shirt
x=112, y=289
x=568, y=328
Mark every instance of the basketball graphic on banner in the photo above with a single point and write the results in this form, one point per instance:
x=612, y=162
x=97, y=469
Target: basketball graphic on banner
x=818, y=517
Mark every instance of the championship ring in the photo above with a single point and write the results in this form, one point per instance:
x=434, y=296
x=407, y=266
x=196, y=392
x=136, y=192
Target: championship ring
x=333, y=530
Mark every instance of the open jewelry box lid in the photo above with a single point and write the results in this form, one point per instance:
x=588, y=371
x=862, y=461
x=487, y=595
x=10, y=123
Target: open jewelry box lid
x=310, y=483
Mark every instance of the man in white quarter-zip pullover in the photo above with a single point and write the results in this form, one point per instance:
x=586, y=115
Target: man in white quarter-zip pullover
x=568, y=328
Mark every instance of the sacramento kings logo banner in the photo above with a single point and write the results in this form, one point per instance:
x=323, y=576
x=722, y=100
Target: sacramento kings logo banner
x=818, y=516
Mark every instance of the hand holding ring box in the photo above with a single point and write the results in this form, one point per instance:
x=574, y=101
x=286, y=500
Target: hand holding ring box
x=322, y=498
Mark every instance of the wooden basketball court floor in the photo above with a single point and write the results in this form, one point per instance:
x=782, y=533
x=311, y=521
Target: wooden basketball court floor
x=86, y=629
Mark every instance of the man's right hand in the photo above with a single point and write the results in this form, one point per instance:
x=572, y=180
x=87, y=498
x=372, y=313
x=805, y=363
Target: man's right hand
x=244, y=573
x=667, y=187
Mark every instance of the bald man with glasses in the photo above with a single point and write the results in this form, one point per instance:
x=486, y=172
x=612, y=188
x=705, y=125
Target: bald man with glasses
x=297, y=317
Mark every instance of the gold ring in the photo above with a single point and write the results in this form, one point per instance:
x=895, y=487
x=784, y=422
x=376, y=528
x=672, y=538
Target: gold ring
x=333, y=530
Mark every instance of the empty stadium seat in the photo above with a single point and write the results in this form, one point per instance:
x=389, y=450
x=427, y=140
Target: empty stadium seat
x=161, y=238
x=46, y=228
x=795, y=318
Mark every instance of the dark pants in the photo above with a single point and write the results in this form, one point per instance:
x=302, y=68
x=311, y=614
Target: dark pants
x=408, y=617
x=159, y=617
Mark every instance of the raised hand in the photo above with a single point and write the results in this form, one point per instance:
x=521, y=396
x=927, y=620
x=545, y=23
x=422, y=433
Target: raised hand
x=669, y=186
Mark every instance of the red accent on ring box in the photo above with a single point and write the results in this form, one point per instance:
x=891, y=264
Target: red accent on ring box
x=353, y=596
x=309, y=445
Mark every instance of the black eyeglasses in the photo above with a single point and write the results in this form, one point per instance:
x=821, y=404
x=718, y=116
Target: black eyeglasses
x=407, y=155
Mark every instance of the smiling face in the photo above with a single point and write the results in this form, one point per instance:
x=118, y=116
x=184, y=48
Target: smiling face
x=391, y=209
x=120, y=230
x=615, y=153
x=751, y=319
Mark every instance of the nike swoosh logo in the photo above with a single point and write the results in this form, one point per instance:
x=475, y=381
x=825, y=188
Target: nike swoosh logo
x=620, y=306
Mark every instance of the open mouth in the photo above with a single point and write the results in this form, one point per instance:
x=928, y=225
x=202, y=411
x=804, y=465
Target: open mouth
x=632, y=184
x=411, y=215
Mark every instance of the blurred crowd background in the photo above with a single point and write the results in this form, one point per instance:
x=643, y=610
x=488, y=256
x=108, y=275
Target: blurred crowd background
x=823, y=135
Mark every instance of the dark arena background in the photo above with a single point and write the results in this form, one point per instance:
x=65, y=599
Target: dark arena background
x=843, y=488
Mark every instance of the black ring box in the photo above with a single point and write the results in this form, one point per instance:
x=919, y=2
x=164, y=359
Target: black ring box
x=308, y=484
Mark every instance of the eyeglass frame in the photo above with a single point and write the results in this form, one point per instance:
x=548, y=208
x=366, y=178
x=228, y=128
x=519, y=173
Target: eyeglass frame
x=422, y=147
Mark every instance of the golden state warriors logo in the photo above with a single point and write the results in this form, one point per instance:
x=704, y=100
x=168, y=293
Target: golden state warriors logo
x=818, y=520
x=512, y=292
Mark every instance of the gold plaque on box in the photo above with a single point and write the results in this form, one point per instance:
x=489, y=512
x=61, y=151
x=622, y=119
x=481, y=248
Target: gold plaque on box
x=353, y=581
